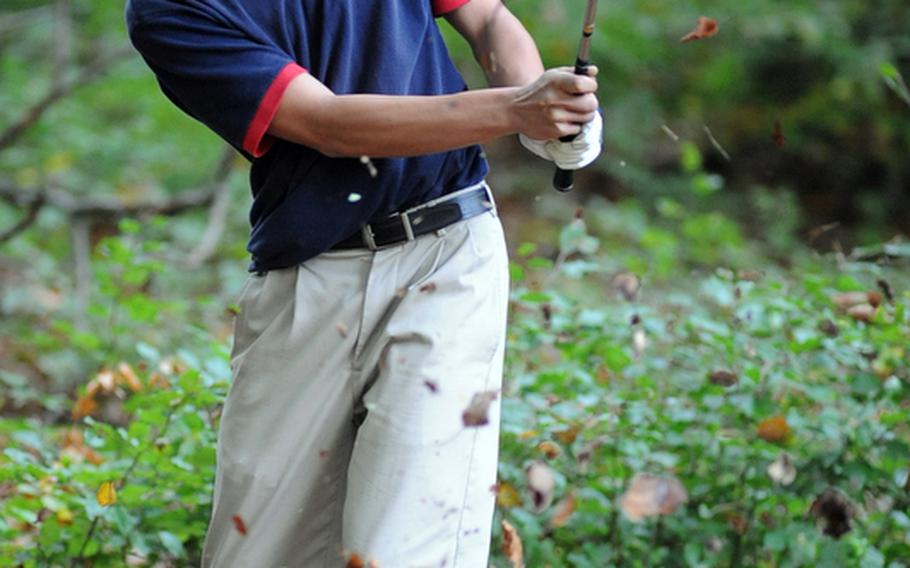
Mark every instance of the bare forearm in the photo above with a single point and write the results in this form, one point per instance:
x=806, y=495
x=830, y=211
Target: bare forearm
x=393, y=126
x=512, y=58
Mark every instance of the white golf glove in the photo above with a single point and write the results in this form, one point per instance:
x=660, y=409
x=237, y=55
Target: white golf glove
x=572, y=155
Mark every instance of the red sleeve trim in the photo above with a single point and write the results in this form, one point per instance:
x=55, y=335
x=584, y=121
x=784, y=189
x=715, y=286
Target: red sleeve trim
x=257, y=142
x=441, y=7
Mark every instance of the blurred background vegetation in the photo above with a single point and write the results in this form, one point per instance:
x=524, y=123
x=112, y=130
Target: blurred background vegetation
x=749, y=181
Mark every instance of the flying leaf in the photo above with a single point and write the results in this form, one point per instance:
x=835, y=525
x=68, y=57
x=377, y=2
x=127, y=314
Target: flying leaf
x=106, y=494
x=239, y=525
x=651, y=495
x=541, y=482
x=511, y=545
x=705, y=28
x=476, y=414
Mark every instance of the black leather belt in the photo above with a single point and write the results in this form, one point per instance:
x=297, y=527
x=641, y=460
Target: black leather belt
x=425, y=218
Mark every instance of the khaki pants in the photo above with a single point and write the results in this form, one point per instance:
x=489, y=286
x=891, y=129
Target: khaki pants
x=343, y=430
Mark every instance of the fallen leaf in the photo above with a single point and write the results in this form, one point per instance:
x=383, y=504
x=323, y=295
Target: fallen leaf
x=129, y=377
x=342, y=329
x=639, y=342
x=829, y=328
x=705, y=28
x=782, y=470
x=774, y=429
x=511, y=545
x=652, y=495
x=568, y=435
x=834, y=511
x=846, y=300
x=432, y=386
x=239, y=525
x=65, y=516
x=563, y=511
x=106, y=494
x=549, y=449
x=723, y=378
x=627, y=285
x=541, y=483
x=863, y=312
x=778, y=136
x=84, y=406
x=886, y=289
x=738, y=522
x=507, y=496
x=429, y=288
x=476, y=414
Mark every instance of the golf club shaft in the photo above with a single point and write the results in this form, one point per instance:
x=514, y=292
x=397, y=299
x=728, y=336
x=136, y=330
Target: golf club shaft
x=564, y=180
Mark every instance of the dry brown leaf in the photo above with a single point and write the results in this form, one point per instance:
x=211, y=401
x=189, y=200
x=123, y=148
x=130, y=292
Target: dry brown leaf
x=84, y=406
x=541, y=483
x=511, y=545
x=774, y=429
x=829, y=328
x=723, y=377
x=651, y=495
x=342, y=330
x=705, y=28
x=834, y=511
x=476, y=414
x=567, y=436
x=862, y=312
x=564, y=511
x=627, y=285
x=429, y=288
x=846, y=300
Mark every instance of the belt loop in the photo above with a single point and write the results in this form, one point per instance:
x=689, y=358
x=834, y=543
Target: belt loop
x=368, y=237
x=406, y=223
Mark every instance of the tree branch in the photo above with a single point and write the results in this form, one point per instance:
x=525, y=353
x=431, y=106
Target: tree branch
x=31, y=215
x=105, y=206
x=88, y=74
x=218, y=212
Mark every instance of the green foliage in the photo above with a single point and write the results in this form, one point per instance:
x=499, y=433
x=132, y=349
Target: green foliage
x=621, y=388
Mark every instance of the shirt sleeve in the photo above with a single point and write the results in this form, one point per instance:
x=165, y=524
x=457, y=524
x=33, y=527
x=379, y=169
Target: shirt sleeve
x=216, y=73
x=442, y=7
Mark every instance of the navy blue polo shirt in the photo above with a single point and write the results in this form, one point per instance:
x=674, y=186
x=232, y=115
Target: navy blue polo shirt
x=227, y=63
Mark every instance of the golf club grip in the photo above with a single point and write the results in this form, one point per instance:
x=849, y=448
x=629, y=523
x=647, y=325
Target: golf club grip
x=564, y=180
